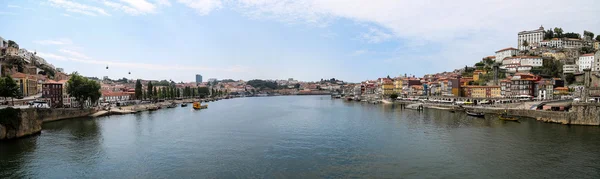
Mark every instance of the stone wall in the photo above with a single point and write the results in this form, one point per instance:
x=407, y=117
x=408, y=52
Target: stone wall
x=29, y=121
x=585, y=114
x=580, y=114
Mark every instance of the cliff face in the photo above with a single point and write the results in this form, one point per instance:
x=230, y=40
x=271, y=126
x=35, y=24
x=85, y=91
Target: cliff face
x=15, y=123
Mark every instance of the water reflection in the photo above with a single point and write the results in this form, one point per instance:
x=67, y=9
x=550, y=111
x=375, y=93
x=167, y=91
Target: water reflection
x=303, y=137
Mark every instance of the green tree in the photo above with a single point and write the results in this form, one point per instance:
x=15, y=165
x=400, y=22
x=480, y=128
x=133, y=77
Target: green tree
x=598, y=38
x=394, y=96
x=549, y=34
x=9, y=89
x=558, y=32
x=154, y=93
x=585, y=50
x=178, y=92
x=572, y=35
x=13, y=44
x=83, y=89
x=525, y=43
x=570, y=78
x=150, y=93
x=588, y=34
x=138, y=90
x=297, y=86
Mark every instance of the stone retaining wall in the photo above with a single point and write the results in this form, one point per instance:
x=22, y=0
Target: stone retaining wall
x=29, y=121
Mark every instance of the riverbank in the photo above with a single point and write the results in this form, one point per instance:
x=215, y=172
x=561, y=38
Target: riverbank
x=579, y=114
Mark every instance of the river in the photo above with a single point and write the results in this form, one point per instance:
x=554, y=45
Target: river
x=302, y=137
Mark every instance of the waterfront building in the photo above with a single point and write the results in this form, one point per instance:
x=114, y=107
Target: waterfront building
x=596, y=45
x=398, y=86
x=572, y=43
x=52, y=91
x=454, y=87
x=533, y=38
x=570, y=69
x=585, y=61
x=505, y=53
x=387, y=86
x=505, y=86
x=523, y=85
x=198, y=78
x=27, y=83
x=115, y=97
x=482, y=91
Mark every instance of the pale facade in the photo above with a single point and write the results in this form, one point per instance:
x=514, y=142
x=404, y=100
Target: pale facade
x=533, y=38
x=585, y=61
x=26, y=55
x=596, y=63
x=570, y=69
x=505, y=53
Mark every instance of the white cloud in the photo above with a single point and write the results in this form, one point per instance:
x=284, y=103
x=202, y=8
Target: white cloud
x=66, y=15
x=63, y=41
x=446, y=25
x=13, y=6
x=7, y=13
x=359, y=52
x=376, y=36
x=78, y=8
x=163, y=2
x=74, y=56
x=74, y=53
x=124, y=8
x=202, y=7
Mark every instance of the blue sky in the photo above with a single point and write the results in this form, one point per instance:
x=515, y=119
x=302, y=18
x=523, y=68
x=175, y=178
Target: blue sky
x=308, y=40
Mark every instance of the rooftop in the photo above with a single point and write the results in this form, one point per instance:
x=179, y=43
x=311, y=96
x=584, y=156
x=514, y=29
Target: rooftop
x=505, y=49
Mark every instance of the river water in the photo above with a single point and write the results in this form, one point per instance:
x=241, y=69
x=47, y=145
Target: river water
x=302, y=137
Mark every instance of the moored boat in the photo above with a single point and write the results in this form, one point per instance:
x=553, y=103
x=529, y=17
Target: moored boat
x=198, y=105
x=508, y=118
x=184, y=104
x=172, y=105
x=475, y=114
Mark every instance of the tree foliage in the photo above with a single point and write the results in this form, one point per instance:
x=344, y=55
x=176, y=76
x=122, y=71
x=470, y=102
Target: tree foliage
x=83, y=89
x=525, y=43
x=261, y=84
x=588, y=34
x=598, y=38
x=394, y=96
x=558, y=32
x=149, y=93
x=138, y=90
x=9, y=88
x=572, y=35
x=549, y=34
x=586, y=49
x=549, y=68
x=570, y=78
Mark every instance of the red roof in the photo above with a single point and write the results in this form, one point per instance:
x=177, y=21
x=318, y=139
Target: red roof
x=509, y=48
x=587, y=55
x=18, y=75
x=107, y=93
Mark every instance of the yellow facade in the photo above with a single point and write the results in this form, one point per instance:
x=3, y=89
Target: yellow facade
x=398, y=86
x=596, y=45
x=477, y=74
x=388, y=88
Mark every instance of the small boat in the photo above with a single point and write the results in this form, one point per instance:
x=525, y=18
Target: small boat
x=508, y=118
x=475, y=114
x=198, y=105
x=172, y=105
x=183, y=104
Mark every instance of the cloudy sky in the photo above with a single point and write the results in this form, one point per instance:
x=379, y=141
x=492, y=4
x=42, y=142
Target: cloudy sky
x=307, y=40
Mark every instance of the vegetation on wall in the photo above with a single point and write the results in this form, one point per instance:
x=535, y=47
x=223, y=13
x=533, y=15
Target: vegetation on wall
x=10, y=118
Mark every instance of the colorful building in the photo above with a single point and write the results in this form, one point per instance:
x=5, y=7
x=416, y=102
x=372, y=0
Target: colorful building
x=482, y=91
x=53, y=92
x=28, y=84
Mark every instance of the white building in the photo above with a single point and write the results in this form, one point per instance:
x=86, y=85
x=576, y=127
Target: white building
x=570, y=69
x=533, y=38
x=533, y=61
x=26, y=55
x=505, y=53
x=596, y=64
x=521, y=63
x=585, y=61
